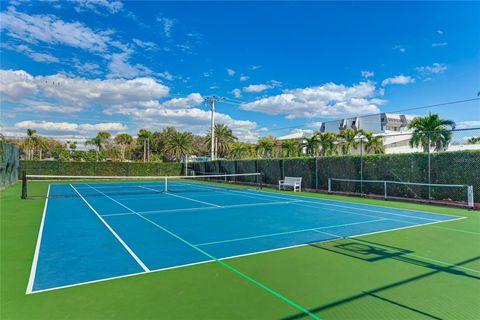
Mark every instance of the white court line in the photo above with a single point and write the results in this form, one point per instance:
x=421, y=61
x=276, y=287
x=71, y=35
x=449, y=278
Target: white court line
x=203, y=208
x=130, y=251
x=182, y=197
x=237, y=256
x=260, y=252
x=370, y=210
x=355, y=203
x=287, y=232
x=33, y=270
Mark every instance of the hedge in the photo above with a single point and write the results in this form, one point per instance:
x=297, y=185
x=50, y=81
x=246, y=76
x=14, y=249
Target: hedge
x=70, y=168
x=461, y=167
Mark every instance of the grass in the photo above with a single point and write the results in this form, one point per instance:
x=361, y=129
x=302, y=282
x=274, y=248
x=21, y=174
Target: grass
x=428, y=272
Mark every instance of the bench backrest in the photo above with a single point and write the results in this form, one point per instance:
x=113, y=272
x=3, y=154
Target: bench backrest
x=292, y=180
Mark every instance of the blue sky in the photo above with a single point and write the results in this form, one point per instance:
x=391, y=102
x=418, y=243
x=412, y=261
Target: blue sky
x=69, y=69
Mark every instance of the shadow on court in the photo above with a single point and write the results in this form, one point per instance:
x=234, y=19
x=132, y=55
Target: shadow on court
x=373, y=252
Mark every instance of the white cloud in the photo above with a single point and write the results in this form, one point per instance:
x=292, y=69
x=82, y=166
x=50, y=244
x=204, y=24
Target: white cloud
x=468, y=124
x=244, y=77
x=328, y=100
x=439, y=31
x=144, y=44
x=257, y=87
x=434, y=68
x=166, y=75
x=51, y=30
x=401, y=79
x=50, y=108
x=120, y=68
x=35, y=56
x=237, y=93
x=69, y=126
x=191, y=119
x=367, y=74
x=15, y=85
x=440, y=44
x=399, y=48
x=77, y=91
x=110, y=6
x=107, y=126
x=255, y=67
x=192, y=100
x=230, y=72
x=167, y=24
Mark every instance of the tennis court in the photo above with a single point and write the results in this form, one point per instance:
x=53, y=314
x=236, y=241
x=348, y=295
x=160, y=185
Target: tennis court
x=95, y=231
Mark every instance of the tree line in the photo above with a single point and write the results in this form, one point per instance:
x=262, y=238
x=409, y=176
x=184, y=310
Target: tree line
x=429, y=132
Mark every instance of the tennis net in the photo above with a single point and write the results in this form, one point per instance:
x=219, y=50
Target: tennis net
x=448, y=194
x=55, y=186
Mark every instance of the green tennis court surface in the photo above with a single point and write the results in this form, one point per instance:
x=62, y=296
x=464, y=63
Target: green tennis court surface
x=426, y=272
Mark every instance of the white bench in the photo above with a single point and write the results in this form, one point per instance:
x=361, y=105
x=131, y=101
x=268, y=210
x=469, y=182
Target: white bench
x=295, y=182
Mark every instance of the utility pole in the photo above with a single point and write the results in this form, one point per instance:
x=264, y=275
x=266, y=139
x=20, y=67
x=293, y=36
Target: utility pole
x=211, y=100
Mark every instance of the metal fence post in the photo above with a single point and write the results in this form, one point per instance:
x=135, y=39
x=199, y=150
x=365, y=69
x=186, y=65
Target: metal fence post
x=429, y=173
x=385, y=189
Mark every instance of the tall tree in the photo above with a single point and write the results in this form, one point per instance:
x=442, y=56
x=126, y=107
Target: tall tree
x=144, y=138
x=239, y=150
x=40, y=144
x=180, y=144
x=373, y=144
x=291, y=148
x=30, y=143
x=433, y=128
x=349, y=140
x=311, y=145
x=223, y=139
x=99, y=141
x=266, y=145
x=124, y=141
x=328, y=143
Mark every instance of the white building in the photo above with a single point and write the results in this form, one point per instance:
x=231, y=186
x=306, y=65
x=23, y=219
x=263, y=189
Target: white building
x=391, y=127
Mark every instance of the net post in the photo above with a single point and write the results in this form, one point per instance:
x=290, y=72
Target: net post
x=166, y=184
x=24, y=185
x=329, y=185
x=385, y=189
x=470, y=196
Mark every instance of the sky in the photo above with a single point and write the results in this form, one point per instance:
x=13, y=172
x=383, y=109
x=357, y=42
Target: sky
x=71, y=68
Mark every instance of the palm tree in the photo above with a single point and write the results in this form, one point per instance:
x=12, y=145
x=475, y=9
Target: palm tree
x=291, y=147
x=349, y=140
x=432, y=128
x=30, y=143
x=180, y=144
x=327, y=142
x=265, y=146
x=311, y=145
x=124, y=140
x=144, y=137
x=374, y=144
x=223, y=139
x=474, y=140
x=100, y=139
x=239, y=150
x=41, y=144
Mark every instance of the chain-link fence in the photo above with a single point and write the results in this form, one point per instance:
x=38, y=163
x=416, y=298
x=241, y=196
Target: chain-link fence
x=10, y=164
x=432, y=167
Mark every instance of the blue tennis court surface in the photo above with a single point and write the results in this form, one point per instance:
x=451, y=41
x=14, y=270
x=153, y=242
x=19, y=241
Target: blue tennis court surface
x=102, y=232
